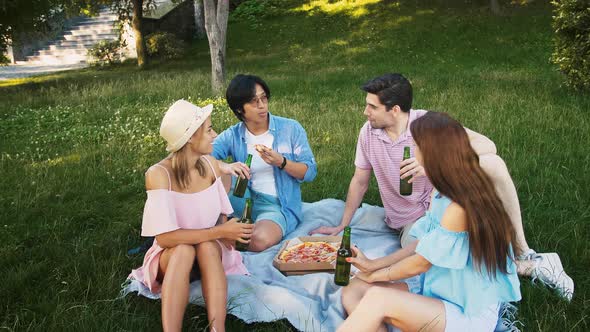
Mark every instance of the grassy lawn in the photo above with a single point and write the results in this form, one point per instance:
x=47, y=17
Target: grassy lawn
x=74, y=146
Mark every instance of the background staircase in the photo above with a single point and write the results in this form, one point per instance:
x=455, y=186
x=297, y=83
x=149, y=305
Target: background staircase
x=73, y=44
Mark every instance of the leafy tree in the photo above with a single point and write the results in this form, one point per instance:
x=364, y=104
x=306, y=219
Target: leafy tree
x=571, y=21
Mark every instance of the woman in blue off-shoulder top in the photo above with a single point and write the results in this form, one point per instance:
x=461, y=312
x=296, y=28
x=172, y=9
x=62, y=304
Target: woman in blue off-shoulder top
x=464, y=252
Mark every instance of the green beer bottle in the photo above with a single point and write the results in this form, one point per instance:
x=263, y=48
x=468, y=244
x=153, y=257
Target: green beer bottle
x=405, y=188
x=246, y=219
x=242, y=183
x=342, y=274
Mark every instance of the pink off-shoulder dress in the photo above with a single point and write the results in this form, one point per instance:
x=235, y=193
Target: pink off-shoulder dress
x=167, y=210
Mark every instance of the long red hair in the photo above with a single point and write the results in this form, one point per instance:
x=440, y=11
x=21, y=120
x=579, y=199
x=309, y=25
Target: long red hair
x=452, y=166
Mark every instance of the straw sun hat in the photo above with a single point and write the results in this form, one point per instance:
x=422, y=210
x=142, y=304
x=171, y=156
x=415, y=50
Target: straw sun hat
x=180, y=123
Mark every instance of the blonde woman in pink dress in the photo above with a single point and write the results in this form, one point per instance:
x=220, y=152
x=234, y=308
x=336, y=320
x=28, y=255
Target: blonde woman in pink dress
x=186, y=210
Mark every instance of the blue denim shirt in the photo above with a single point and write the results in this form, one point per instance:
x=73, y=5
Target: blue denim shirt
x=290, y=140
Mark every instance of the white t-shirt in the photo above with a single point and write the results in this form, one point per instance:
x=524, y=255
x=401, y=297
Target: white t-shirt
x=262, y=179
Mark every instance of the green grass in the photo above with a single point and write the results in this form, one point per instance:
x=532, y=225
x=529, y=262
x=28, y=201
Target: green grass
x=74, y=146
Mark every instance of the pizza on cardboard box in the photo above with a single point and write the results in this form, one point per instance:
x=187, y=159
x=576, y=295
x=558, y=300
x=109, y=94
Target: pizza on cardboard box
x=308, y=254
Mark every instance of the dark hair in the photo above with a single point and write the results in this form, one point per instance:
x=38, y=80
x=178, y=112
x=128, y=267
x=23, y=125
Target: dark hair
x=452, y=166
x=241, y=90
x=392, y=89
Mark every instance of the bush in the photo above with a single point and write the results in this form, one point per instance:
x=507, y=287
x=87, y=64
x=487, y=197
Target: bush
x=106, y=52
x=233, y=4
x=164, y=45
x=253, y=11
x=4, y=60
x=572, y=41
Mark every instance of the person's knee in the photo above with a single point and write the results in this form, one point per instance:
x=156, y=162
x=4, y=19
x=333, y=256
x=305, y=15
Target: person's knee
x=183, y=254
x=376, y=296
x=352, y=294
x=354, y=286
x=265, y=237
x=494, y=166
x=208, y=248
x=348, y=292
x=373, y=292
x=262, y=241
x=349, y=297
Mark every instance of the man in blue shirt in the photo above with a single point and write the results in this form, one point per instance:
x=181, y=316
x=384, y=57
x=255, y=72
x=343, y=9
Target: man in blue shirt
x=282, y=160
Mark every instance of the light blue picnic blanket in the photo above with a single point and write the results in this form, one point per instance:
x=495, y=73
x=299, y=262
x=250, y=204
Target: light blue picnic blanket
x=310, y=302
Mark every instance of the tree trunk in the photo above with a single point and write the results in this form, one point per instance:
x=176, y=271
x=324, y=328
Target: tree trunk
x=139, y=41
x=9, y=51
x=495, y=6
x=216, y=16
x=200, y=32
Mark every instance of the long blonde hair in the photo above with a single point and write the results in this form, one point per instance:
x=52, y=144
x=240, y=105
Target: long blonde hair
x=181, y=167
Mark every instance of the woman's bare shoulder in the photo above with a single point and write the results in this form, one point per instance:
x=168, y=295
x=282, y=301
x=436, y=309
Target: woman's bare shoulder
x=215, y=163
x=157, y=176
x=454, y=218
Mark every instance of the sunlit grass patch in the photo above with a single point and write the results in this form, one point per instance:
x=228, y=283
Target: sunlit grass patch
x=32, y=80
x=352, y=8
x=70, y=159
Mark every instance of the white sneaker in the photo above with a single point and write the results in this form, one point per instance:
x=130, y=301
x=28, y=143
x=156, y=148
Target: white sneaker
x=548, y=269
x=507, y=321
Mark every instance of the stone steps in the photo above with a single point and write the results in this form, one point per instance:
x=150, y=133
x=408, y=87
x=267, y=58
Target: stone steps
x=56, y=59
x=90, y=36
x=67, y=45
x=73, y=44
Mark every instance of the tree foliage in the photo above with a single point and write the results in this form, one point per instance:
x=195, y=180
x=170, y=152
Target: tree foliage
x=572, y=41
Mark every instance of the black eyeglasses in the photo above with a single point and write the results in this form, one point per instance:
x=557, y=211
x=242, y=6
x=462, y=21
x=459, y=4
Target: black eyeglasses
x=254, y=101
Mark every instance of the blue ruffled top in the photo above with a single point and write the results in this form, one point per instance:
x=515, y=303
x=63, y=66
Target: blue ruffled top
x=453, y=276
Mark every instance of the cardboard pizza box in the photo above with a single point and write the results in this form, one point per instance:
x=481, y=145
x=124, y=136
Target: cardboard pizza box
x=305, y=268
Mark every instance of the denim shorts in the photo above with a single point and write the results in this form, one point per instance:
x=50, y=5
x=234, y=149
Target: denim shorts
x=264, y=207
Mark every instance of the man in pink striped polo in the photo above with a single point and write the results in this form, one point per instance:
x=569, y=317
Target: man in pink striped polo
x=380, y=150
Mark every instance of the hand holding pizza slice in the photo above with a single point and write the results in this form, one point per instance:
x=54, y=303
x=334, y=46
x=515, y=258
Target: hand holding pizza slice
x=269, y=155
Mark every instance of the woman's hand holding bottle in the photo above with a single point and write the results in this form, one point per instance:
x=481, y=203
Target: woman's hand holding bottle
x=360, y=261
x=234, y=230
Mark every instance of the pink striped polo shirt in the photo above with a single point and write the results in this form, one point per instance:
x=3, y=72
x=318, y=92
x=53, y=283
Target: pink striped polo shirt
x=376, y=151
